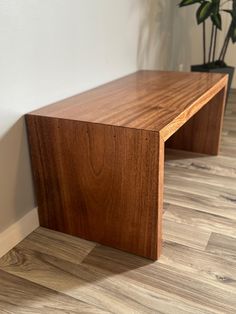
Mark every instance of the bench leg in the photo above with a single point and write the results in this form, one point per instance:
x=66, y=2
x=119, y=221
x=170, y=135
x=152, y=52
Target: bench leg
x=99, y=182
x=201, y=134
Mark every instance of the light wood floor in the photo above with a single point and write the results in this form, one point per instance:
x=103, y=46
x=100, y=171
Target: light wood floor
x=54, y=273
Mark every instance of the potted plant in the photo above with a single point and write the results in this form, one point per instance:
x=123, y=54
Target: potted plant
x=213, y=9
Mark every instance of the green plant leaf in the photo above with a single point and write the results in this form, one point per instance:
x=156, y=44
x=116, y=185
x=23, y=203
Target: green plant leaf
x=204, y=11
x=216, y=2
x=183, y=3
x=216, y=20
x=216, y=6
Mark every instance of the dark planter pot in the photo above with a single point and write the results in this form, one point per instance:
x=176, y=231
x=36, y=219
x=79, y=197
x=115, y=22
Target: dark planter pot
x=227, y=70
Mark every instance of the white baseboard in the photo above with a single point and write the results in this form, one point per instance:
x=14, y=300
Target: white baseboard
x=18, y=231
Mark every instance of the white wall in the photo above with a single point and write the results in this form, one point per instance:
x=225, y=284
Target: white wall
x=186, y=47
x=52, y=49
x=187, y=39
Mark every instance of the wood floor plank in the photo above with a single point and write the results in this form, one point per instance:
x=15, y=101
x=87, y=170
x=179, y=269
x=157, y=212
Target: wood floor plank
x=221, y=165
x=222, y=184
x=157, y=276
x=209, y=267
x=212, y=187
x=228, y=150
x=212, y=194
x=185, y=234
x=110, y=288
x=215, y=206
x=75, y=280
x=200, y=220
x=59, y=245
x=229, y=123
x=20, y=296
x=228, y=145
x=222, y=245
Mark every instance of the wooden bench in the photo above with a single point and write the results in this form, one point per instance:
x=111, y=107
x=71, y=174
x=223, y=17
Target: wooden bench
x=98, y=157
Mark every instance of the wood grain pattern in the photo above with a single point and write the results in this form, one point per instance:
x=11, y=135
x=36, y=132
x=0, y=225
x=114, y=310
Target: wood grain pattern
x=93, y=285
x=185, y=234
x=21, y=296
x=150, y=100
x=201, y=219
x=63, y=246
x=98, y=157
x=176, y=281
x=222, y=166
x=222, y=245
x=202, y=133
x=42, y=276
x=213, y=268
x=91, y=181
x=214, y=196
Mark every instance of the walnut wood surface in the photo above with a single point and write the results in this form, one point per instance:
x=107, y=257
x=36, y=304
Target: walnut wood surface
x=150, y=100
x=202, y=133
x=99, y=183
x=98, y=157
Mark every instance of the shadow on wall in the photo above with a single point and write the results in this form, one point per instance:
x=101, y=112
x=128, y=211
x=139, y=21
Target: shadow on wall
x=164, y=41
x=155, y=37
x=183, y=36
x=16, y=188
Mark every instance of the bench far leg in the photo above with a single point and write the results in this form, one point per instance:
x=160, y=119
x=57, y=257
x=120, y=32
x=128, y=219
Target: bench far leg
x=202, y=133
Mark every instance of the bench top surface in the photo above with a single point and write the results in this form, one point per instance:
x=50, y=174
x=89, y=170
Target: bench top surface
x=150, y=100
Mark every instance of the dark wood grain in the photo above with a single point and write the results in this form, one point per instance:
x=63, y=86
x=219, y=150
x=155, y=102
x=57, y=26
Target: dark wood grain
x=98, y=157
x=99, y=182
